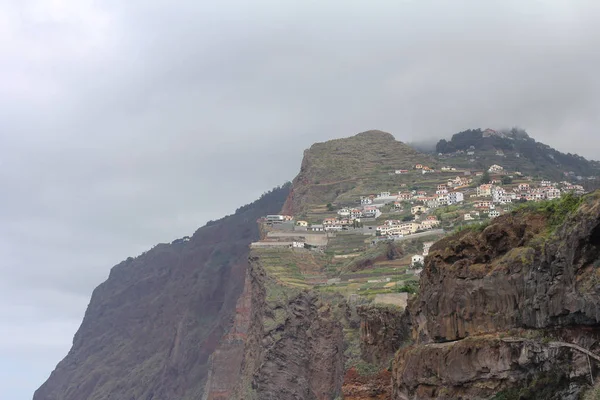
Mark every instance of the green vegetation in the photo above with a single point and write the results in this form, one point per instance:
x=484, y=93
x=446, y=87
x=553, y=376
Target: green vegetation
x=556, y=211
x=485, y=178
x=473, y=227
x=593, y=393
x=542, y=387
x=366, y=369
x=410, y=287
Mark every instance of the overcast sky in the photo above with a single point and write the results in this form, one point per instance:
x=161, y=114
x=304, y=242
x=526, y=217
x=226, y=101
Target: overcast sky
x=120, y=120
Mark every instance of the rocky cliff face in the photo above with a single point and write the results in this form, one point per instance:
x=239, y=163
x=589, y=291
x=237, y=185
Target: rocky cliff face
x=150, y=328
x=295, y=345
x=383, y=330
x=494, y=306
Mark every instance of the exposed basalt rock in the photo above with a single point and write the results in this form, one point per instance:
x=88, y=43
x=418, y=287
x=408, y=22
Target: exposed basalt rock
x=295, y=346
x=359, y=387
x=506, y=277
x=383, y=330
x=515, y=274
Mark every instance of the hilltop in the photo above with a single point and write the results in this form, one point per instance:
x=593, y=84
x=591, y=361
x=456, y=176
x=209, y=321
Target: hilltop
x=516, y=150
x=340, y=170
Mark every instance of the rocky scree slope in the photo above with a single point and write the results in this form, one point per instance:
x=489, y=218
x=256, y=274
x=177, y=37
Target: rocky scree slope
x=496, y=304
x=151, y=326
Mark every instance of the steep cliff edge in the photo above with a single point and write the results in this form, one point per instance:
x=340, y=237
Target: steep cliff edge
x=501, y=307
x=150, y=328
x=295, y=345
x=342, y=169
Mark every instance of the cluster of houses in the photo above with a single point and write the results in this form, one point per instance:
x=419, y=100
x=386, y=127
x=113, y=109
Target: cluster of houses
x=442, y=197
x=546, y=190
x=396, y=228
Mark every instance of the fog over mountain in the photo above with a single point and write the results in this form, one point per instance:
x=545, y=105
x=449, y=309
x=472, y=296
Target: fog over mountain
x=125, y=124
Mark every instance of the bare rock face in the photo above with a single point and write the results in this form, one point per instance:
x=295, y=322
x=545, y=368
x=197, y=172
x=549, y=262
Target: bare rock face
x=373, y=387
x=481, y=367
x=150, y=329
x=517, y=276
x=383, y=330
x=295, y=346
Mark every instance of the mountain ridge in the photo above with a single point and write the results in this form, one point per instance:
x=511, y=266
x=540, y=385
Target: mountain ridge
x=157, y=326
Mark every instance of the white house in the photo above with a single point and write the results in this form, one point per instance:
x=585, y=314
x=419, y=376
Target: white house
x=366, y=200
x=371, y=212
x=494, y=213
x=552, y=193
x=455, y=198
x=417, y=258
x=484, y=190
x=316, y=228
x=344, y=212
x=298, y=245
x=334, y=227
x=355, y=213
x=495, y=168
x=418, y=209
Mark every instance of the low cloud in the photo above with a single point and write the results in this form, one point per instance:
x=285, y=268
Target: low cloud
x=120, y=121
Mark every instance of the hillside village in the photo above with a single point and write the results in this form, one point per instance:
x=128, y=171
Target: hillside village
x=374, y=247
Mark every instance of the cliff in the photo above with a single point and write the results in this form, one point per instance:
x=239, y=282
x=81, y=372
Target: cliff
x=295, y=345
x=501, y=307
x=151, y=326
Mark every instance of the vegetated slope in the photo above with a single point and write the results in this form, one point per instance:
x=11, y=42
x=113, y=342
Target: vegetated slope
x=151, y=326
x=521, y=153
x=342, y=169
x=498, y=303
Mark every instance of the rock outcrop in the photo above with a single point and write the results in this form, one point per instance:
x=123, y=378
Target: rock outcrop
x=492, y=300
x=295, y=345
x=383, y=330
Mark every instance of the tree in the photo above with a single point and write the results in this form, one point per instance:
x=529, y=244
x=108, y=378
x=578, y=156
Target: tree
x=407, y=218
x=485, y=178
x=506, y=180
x=330, y=207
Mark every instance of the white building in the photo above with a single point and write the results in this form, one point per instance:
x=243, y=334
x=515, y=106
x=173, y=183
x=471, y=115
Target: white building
x=552, y=193
x=484, y=190
x=417, y=258
x=366, y=200
x=495, y=168
x=455, y=198
x=494, y=213
x=344, y=212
